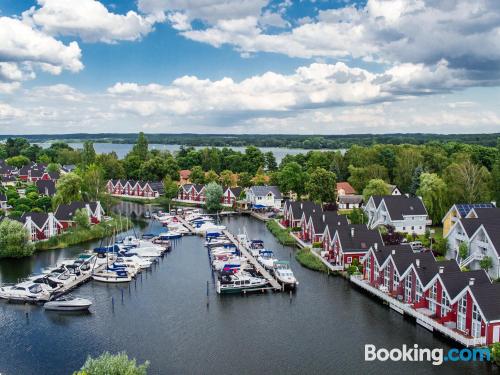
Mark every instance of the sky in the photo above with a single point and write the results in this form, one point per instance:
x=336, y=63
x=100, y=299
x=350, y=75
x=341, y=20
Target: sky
x=249, y=66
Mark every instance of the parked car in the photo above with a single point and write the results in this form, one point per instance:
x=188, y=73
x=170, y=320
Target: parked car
x=416, y=246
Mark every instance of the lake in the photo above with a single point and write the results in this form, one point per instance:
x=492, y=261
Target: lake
x=122, y=149
x=163, y=317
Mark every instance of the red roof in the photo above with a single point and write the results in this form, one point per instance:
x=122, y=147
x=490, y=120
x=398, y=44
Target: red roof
x=185, y=173
x=346, y=186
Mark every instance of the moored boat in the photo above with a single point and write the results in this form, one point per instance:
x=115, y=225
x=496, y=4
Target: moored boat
x=68, y=303
x=239, y=282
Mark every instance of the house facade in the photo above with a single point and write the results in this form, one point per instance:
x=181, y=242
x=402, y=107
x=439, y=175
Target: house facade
x=41, y=225
x=264, y=197
x=460, y=211
x=405, y=214
x=65, y=213
x=135, y=189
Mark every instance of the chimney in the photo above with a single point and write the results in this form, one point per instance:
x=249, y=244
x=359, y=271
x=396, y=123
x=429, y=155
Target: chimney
x=441, y=269
x=301, y=205
x=393, y=251
x=471, y=281
x=338, y=223
x=417, y=262
x=352, y=232
x=375, y=246
x=323, y=218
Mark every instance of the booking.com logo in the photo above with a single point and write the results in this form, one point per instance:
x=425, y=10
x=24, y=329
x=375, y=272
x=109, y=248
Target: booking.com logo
x=436, y=356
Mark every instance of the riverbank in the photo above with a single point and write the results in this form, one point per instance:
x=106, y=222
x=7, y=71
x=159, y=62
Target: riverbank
x=282, y=235
x=310, y=261
x=74, y=236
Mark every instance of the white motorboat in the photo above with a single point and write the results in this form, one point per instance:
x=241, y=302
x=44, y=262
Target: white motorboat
x=203, y=228
x=108, y=275
x=228, y=261
x=239, y=282
x=266, y=258
x=140, y=262
x=68, y=303
x=284, y=273
x=26, y=291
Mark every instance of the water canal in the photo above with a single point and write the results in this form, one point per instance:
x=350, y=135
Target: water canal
x=163, y=317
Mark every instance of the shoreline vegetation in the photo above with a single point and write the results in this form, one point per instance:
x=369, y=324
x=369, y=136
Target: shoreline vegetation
x=80, y=235
x=282, y=235
x=271, y=140
x=310, y=261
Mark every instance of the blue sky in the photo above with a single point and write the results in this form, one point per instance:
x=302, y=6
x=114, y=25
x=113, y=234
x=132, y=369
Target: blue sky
x=249, y=66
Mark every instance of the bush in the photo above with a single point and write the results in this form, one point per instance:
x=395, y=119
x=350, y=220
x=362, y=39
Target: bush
x=282, y=235
x=318, y=245
x=296, y=229
x=310, y=261
x=113, y=364
x=495, y=353
x=14, y=240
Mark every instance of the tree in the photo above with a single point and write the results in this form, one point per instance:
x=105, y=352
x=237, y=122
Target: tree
x=260, y=178
x=270, y=161
x=375, y=187
x=213, y=193
x=357, y=216
x=82, y=219
x=292, y=178
x=109, y=364
x=111, y=166
x=140, y=148
x=463, y=250
x=434, y=193
x=244, y=179
x=211, y=176
x=322, y=186
x=170, y=188
x=253, y=159
x=495, y=175
x=14, y=240
x=93, y=182
x=486, y=263
x=17, y=161
x=415, y=180
x=197, y=175
x=360, y=176
x=226, y=178
x=132, y=164
x=468, y=182
x=88, y=155
x=407, y=160
x=69, y=188
x=53, y=168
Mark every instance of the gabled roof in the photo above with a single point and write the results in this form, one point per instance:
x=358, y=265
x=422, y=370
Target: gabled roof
x=358, y=238
x=464, y=209
x=383, y=252
x=185, y=174
x=487, y=297
x=39, y=218
x=491, y=214
x=493, y=232
x=346, y=186
x=157, y=186
x=236, y=191
x=321, y=219
x=399, y=206
x=350, y=199
x=455, y=282
x=46, y=187
x=261, y=191
x=66, y=212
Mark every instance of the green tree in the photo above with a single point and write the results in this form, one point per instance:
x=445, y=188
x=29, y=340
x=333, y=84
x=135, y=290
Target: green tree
x=463, y=250
x=270, y=161
x=226, y=178
x=357, y=216
x=434, y=193
x=213, y=193
x=468, y=182
x=132, y=165
x=292, y=178
x=486, y=263
x=322, y=186
x=113, y=364
x=111, y=166
x=170, y=188
x=88, y=155
x=17, y=161
x=360, y=176
x=495, y=175
x=244, y=179
x=375, y=187
x=407, y=159
x=82, y=219
x=53, y=168
x=197, y=175
x=140, y=148
x=253, y=159
x=14, y=240
x=211, y=176
x=415, y=180
x=93, y=182
x=69, y=188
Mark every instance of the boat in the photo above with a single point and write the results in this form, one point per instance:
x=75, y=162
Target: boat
x=171, y=235
x=111, y=275
x=68, y=303
x=239, y=282
x=284, y=274
x=266, y=259
x=255, y=246
x=27, y=291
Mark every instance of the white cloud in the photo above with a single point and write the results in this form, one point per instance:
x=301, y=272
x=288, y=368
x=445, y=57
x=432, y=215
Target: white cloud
x=90, y=20
x=24, y=48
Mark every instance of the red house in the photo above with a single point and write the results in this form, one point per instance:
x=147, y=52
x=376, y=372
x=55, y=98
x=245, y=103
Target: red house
x=65, y=212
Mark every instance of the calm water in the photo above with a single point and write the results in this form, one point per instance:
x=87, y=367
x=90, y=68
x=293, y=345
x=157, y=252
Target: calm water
x=163, y=317
x=122, y=149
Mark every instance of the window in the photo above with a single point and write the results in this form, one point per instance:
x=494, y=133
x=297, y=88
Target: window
x=418, y=292
x=461, y=313
x=408, y=286
x=395, y=281
x=368, y=268
x=387, y=277
x=445, y=304
x=432, y=298
x=349, y=260
x=476, y=322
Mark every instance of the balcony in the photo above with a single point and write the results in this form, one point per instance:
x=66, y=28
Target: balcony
x=421, y=315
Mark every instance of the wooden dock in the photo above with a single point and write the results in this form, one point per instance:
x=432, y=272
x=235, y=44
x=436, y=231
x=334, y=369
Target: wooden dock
x=272, y=281
x=186, y=224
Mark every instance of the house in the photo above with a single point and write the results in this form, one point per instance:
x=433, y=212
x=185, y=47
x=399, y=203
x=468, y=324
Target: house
x=136, y=189
x=345, y=188
x=480, y=230
x=65, y=213
x=67, y=168
x=191, y=193
x=41, y=225
x=348, y=202
x=459, y=211
x=393, y=190
x=34, y=172
x=320, y=220
x=8, y=180
x=46, y=187
x=264, y=197
x=375, y=258
x=230, y=196
x=352, y=242
x=332, y=224
x=184, y=175
x=293, y=211
x=5, y=169
x=405, y=214
x=307, y=211
x=3, y=201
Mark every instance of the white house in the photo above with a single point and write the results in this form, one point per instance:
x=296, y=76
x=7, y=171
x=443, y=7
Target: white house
x=405, y=214
x=264, y=197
